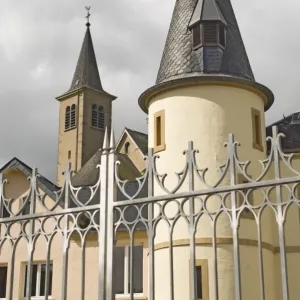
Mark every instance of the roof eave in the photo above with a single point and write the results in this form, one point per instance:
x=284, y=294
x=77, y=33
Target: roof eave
x=221, y=79
x=82, y=89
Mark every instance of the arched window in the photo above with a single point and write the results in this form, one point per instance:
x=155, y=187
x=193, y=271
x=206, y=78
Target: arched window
x=97, y=116
x=127, y=146
x=70, y=117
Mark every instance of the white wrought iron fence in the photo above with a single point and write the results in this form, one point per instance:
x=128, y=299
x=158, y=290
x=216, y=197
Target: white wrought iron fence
x=65, y=243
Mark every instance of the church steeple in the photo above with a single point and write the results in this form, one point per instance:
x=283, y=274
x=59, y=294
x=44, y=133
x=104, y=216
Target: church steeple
x=204, y=38
x=86, y=72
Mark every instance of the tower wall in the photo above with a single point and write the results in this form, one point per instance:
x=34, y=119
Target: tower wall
x=206, y=115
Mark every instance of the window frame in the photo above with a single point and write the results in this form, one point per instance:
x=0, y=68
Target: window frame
x=126, y=148
x=162, y=146
x=98, y=117
x=257, y=142
x=70, y=117
x=218, y=27
x=203, y=263
x=38, y=280
x=126, y=272
x=5, y=266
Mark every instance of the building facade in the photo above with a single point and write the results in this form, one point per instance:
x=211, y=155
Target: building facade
x=239, y=236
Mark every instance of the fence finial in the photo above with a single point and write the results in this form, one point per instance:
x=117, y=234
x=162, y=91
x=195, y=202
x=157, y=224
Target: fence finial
x=105, y=140
x=112, y=144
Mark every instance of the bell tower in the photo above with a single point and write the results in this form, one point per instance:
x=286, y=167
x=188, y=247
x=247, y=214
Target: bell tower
x=84, y=113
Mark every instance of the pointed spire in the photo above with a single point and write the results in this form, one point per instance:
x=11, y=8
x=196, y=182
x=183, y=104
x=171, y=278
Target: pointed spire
x=86, y=73
x=105, y=140
x=182, y=59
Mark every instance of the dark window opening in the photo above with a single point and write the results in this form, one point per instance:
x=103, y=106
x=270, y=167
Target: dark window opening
x=97, y=117
x=257, y=130
x=38, y=280
x=158, y=131
x=122, y=270
x=69, y=154
x=5, y=213
x=3, y=281
x=222, y=35
x=210, y=33
x=127, y=147
x=196, y=35
x=70, y=117
x=199, y=286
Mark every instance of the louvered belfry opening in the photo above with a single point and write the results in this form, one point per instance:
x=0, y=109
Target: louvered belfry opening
x=208, y=34
x=196, y=35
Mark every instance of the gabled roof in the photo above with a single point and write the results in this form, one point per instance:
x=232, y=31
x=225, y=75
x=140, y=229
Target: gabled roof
x=180, y=61
x=141, y=139
x=291, y=142
x=88, y=175
x=43, y=183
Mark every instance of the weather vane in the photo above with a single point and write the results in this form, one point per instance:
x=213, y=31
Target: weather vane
x=88, y=14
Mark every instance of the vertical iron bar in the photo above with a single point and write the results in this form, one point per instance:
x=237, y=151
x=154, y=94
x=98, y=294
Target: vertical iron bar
x=111, y=195
x=192, y=228
x=131, y=265
x=83, y=269
x=47, y=270
x=102, y=213
x=215, y=261
x=12, y=272
x=171, y=263
x=31, y=233
x=65, y=235
x=234, y=224
x=260, y=257
x=150, y=228
x=280, y=216
x=1, y=198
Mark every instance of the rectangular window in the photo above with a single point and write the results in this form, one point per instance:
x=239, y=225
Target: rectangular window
x=201, y=279
x=3, y=281
x=122, y=270
x=257, y=130
x=38, y=280
x=69, y=154
x=159, y=131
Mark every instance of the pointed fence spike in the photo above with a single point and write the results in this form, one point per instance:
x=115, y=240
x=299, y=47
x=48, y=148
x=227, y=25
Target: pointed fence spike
x=105, y=141
x=112, y=144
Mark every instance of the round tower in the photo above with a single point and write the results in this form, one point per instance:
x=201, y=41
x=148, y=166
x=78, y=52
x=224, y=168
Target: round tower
x=206, y=90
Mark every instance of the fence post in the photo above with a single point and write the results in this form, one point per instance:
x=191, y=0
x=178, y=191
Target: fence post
x=102, y=213
x=111, y=197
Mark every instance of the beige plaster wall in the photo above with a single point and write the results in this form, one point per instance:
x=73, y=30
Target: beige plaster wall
x=206, y=114
x=134, y=154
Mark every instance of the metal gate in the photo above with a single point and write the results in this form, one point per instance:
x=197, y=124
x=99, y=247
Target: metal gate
x=78, y=213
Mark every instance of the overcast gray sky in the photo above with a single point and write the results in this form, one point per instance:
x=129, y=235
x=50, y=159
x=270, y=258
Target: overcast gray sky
x=40, y=43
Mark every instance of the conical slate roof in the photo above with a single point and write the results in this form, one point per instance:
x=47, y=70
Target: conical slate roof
x=180, y=60
x=86, y=73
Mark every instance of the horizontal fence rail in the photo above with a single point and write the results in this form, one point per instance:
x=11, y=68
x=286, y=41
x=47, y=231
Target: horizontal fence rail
x=228, y=233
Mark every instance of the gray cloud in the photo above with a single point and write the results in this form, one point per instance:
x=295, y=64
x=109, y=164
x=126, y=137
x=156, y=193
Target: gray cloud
x=40, y=43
